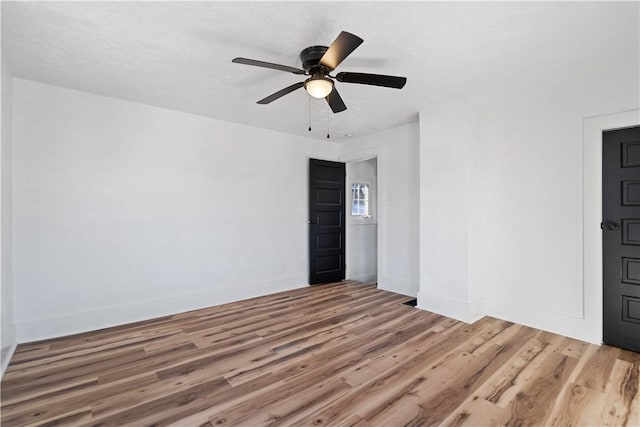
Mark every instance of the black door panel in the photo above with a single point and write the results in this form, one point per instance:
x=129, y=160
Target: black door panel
x=621, y=237
x=326, y=221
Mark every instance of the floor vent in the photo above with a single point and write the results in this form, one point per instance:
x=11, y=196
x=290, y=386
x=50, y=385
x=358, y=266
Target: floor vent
x=412, y=302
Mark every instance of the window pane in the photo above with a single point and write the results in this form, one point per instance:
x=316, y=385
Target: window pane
x=359, y=199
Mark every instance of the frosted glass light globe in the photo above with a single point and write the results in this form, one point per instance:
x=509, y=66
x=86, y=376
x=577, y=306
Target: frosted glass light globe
x=318, y=87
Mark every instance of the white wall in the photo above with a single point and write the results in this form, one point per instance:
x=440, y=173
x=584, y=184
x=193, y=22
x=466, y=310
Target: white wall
x=362, y=232
x=501, y=200
x=396, y=151
x=125, y=211
x=445, y=181
x=7, y=334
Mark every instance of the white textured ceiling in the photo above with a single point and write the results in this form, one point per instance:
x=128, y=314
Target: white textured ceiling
x=177, y=55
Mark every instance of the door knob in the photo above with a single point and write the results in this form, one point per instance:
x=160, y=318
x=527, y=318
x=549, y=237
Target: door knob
x=609, y=225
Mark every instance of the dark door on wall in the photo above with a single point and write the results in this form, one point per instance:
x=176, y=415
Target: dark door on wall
x=326, y=221
x=621, y=237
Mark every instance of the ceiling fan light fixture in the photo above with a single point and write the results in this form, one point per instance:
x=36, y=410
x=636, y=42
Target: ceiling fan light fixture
x=318, y=86
x=318, y=62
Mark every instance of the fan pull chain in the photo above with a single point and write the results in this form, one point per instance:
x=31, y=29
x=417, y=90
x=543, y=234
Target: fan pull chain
x=328, y=124
x=309, y=98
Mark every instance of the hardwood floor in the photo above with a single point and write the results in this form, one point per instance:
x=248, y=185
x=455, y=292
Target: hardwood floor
x=339, y=354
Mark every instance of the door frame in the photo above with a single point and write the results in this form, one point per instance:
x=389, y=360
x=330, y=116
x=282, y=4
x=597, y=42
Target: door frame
x=348, y=221
x=359, y=156
x=343, y=167
x=592, y=216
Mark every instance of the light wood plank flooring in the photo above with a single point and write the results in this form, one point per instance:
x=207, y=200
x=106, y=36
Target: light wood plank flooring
x=334, y=355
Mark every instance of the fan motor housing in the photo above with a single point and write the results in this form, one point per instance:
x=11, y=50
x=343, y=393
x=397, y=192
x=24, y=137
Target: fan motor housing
x=310, y=58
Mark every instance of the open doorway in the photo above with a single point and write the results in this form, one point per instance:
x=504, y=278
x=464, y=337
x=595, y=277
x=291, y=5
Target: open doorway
x=362, y=221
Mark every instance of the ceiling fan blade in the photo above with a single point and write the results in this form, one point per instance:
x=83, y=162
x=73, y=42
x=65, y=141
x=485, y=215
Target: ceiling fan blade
x=335, y=101
x=372, y=79
x=341, y=47
x=271, y=65
x=281, y=93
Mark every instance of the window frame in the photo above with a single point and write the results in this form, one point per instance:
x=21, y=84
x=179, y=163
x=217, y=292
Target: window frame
x=368, y=215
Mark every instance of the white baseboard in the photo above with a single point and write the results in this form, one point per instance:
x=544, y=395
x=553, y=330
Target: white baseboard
x=399, y=286
x=450, y=307
x=6, y=358
x=364, y=278
x=478, y=309
x=83, y=321
x=90, y=320
x=558, y=323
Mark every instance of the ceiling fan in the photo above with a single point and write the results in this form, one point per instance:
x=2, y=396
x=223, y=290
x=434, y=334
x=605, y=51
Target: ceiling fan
x=318, y=62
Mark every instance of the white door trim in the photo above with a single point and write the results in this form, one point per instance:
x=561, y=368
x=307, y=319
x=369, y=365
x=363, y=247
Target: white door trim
x=359, y=156
x=592, y=214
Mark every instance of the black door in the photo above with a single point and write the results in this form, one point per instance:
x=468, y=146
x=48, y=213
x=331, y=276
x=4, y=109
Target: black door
x=326, y=221
x=621, y=237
